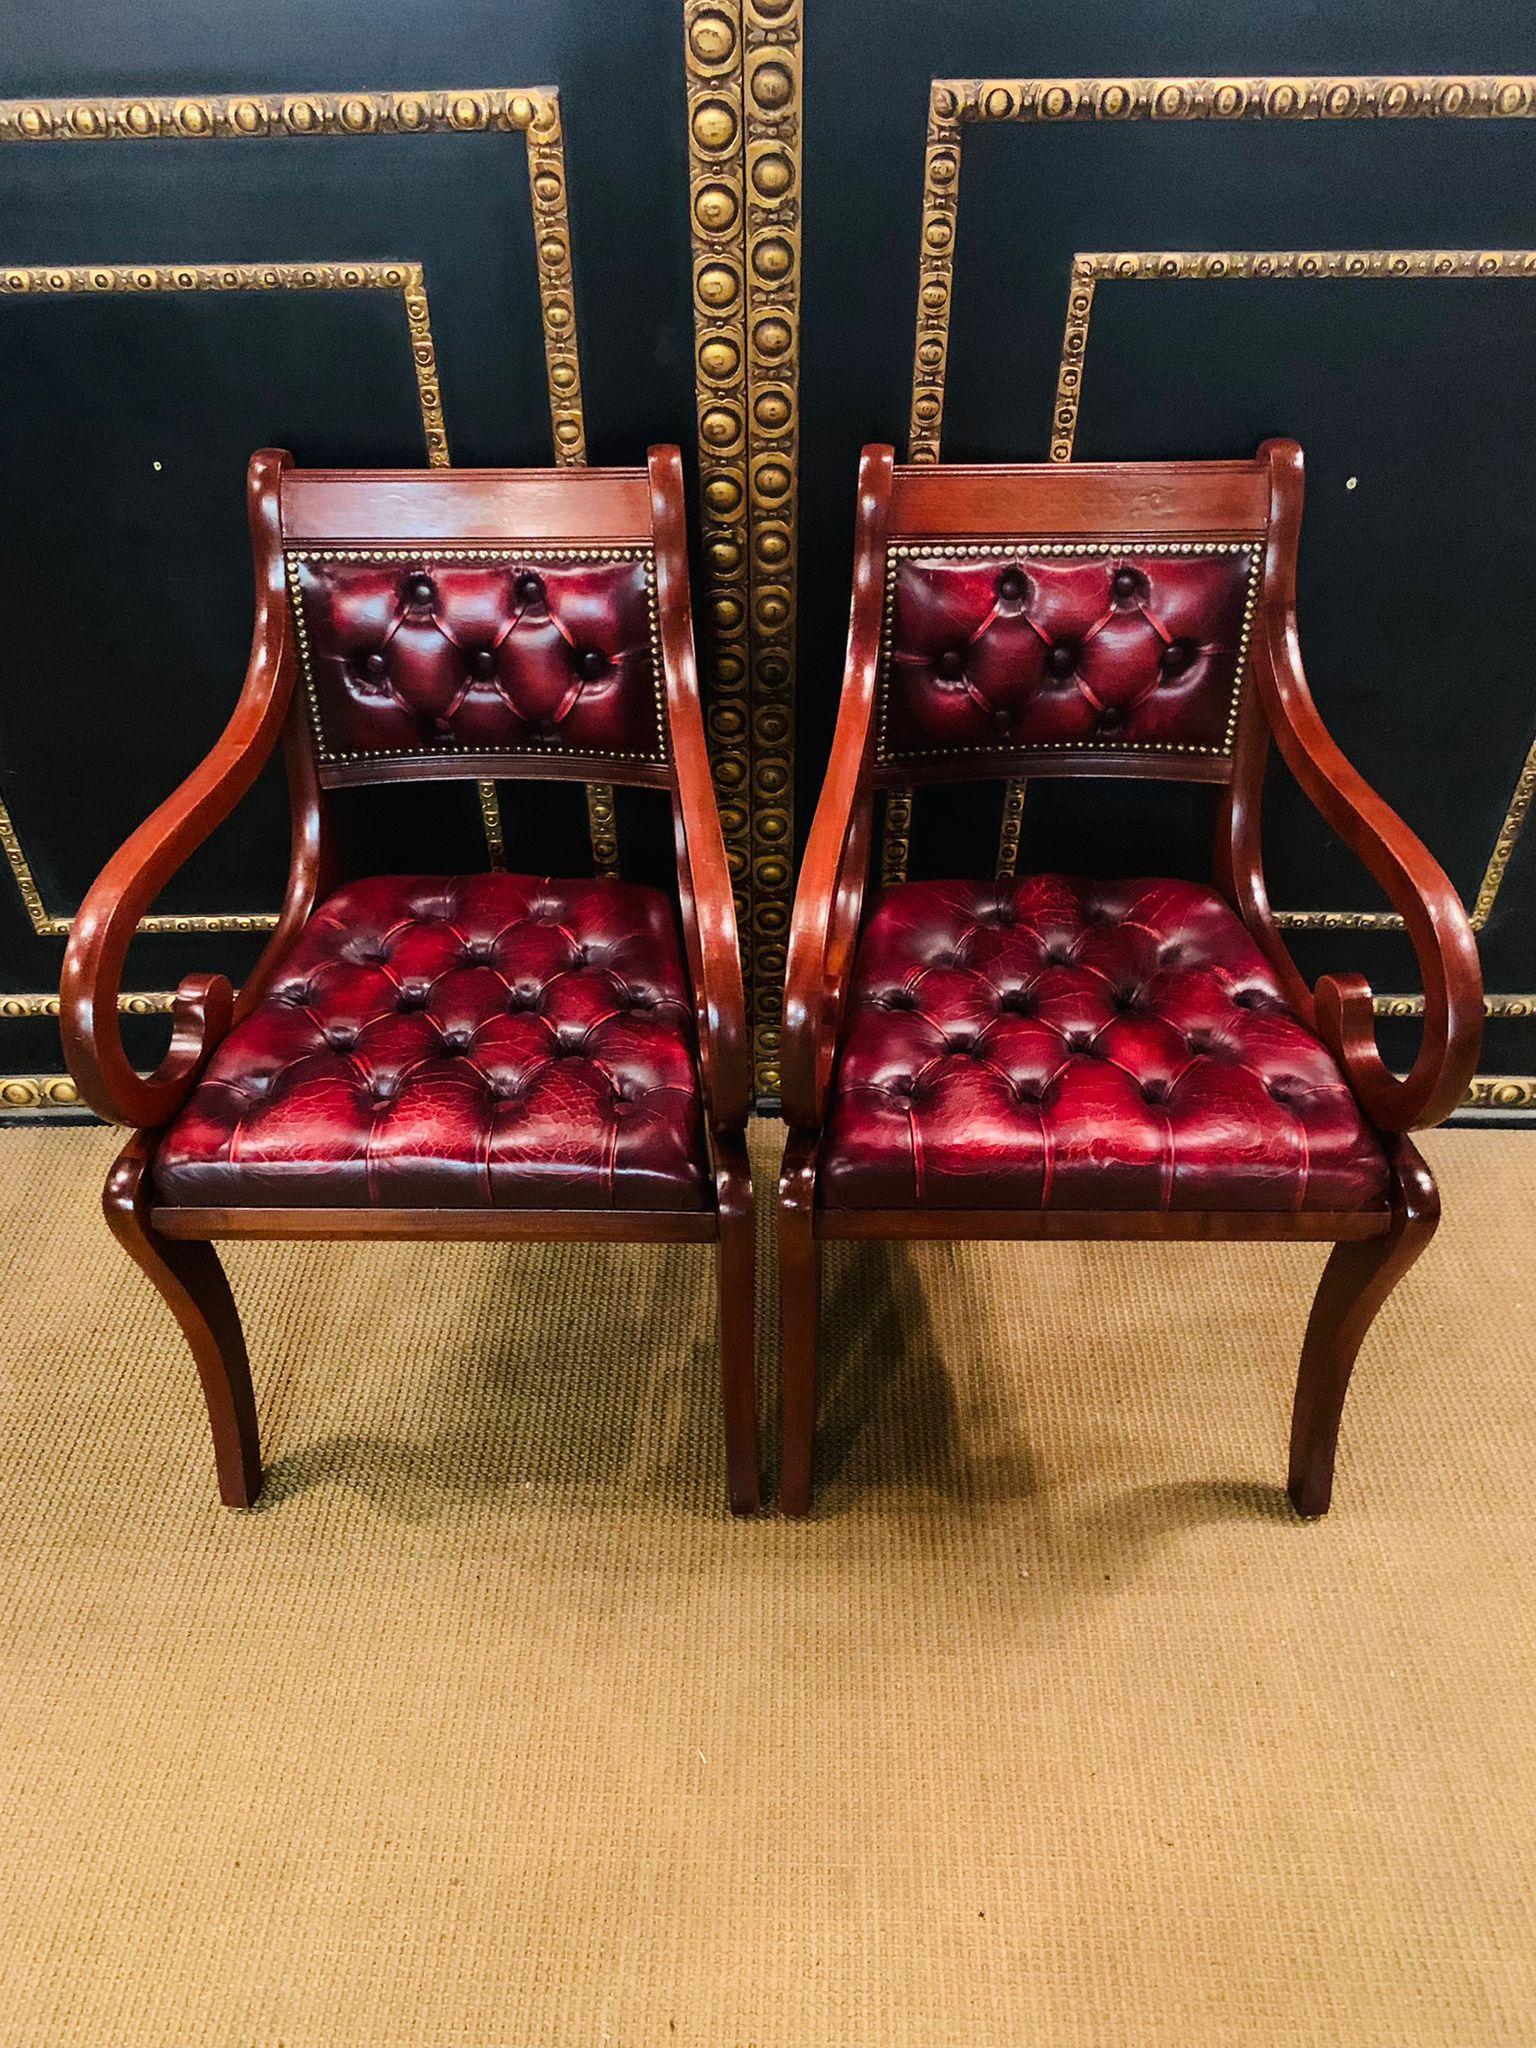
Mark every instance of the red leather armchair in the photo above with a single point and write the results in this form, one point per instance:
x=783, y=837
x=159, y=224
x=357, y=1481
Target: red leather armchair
x=426, y=1056
x=1056, y=1056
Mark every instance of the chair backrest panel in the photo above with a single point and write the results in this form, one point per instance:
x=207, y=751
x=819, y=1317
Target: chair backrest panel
x=1058, y=619
x=477, y=623
x=1073, y=646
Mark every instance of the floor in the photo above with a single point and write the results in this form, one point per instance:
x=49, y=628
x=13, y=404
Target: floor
x=488, y=1727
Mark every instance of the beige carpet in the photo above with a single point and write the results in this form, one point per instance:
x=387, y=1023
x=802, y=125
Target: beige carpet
x=489, y=1728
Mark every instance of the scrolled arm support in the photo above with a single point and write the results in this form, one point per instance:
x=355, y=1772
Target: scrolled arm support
x=830, y=898
x=127, y=887
x=1417, y=888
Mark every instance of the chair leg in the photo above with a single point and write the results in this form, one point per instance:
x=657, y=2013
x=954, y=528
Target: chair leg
x=191, y=1280
x=799, y=1327
x=1356, y=1281
x=736, y=1267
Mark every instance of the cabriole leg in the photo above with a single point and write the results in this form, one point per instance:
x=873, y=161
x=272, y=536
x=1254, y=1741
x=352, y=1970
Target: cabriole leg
x=1356, y=1281
x=736, y=1265
x=191, y=1280
x=799, y=1325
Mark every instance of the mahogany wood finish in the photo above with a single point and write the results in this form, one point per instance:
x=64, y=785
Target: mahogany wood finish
x=1376, y=1242
x=411, y=511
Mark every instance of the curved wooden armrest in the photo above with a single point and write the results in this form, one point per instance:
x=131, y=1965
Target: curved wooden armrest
x=127, y=886
x=829, y=900
x=1417, y=888
x=703, y=875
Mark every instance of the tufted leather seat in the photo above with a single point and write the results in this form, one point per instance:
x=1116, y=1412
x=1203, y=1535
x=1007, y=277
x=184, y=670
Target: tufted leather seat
x=1059, y=1043
x=490, y=1041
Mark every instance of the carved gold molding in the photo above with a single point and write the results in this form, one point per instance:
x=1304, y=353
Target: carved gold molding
x=532, y=111
x=144, y=1002
x=1502, y=1091
x=743, y=70
x=773, y=92
x=145, y=279
x=712, y=53
x=1493, y=1006
x=1379, y=265
x=37, y=1091
x=955, y=103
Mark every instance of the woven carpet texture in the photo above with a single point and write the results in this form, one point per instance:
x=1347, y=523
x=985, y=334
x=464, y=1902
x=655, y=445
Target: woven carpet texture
x=488, y=1727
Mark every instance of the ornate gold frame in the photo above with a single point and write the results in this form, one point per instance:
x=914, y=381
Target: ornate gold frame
x=1127, y=266
x=742, y=60
x=143, y=279
x=533, y=112
x=955, y=103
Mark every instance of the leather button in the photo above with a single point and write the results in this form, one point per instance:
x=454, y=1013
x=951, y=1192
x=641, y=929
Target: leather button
x=375, y=665
x=413, y=999
x=590, y=664
x=1177, y=656
x=1126, y=583
x=546, y=728
x=1018, y=1002
x=420, y=590
x=1001, y=721
x=455, y=1041
x=1110, y=720
x=1155, y=1091
x=484, y=662
x=528, y=589
x=1062, y=658
x=1012, y=586
x=901, y=999
x=951, y=663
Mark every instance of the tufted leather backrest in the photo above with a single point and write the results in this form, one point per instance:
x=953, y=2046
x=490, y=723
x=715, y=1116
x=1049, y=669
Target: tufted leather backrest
x=437, y=652
x=1076, y=646
x=464, y=623
x=1051, y=616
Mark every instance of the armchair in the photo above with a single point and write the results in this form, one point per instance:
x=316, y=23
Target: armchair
x=1055, y=1056
x=491, y=1056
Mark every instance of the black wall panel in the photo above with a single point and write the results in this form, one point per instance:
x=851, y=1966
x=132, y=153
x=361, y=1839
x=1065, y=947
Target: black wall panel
x=1409, y=395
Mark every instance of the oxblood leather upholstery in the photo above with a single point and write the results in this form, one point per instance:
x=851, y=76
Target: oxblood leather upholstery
x=1068, y=1044
x=405, y=656
x=491, y=1041
x=1137, y=651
